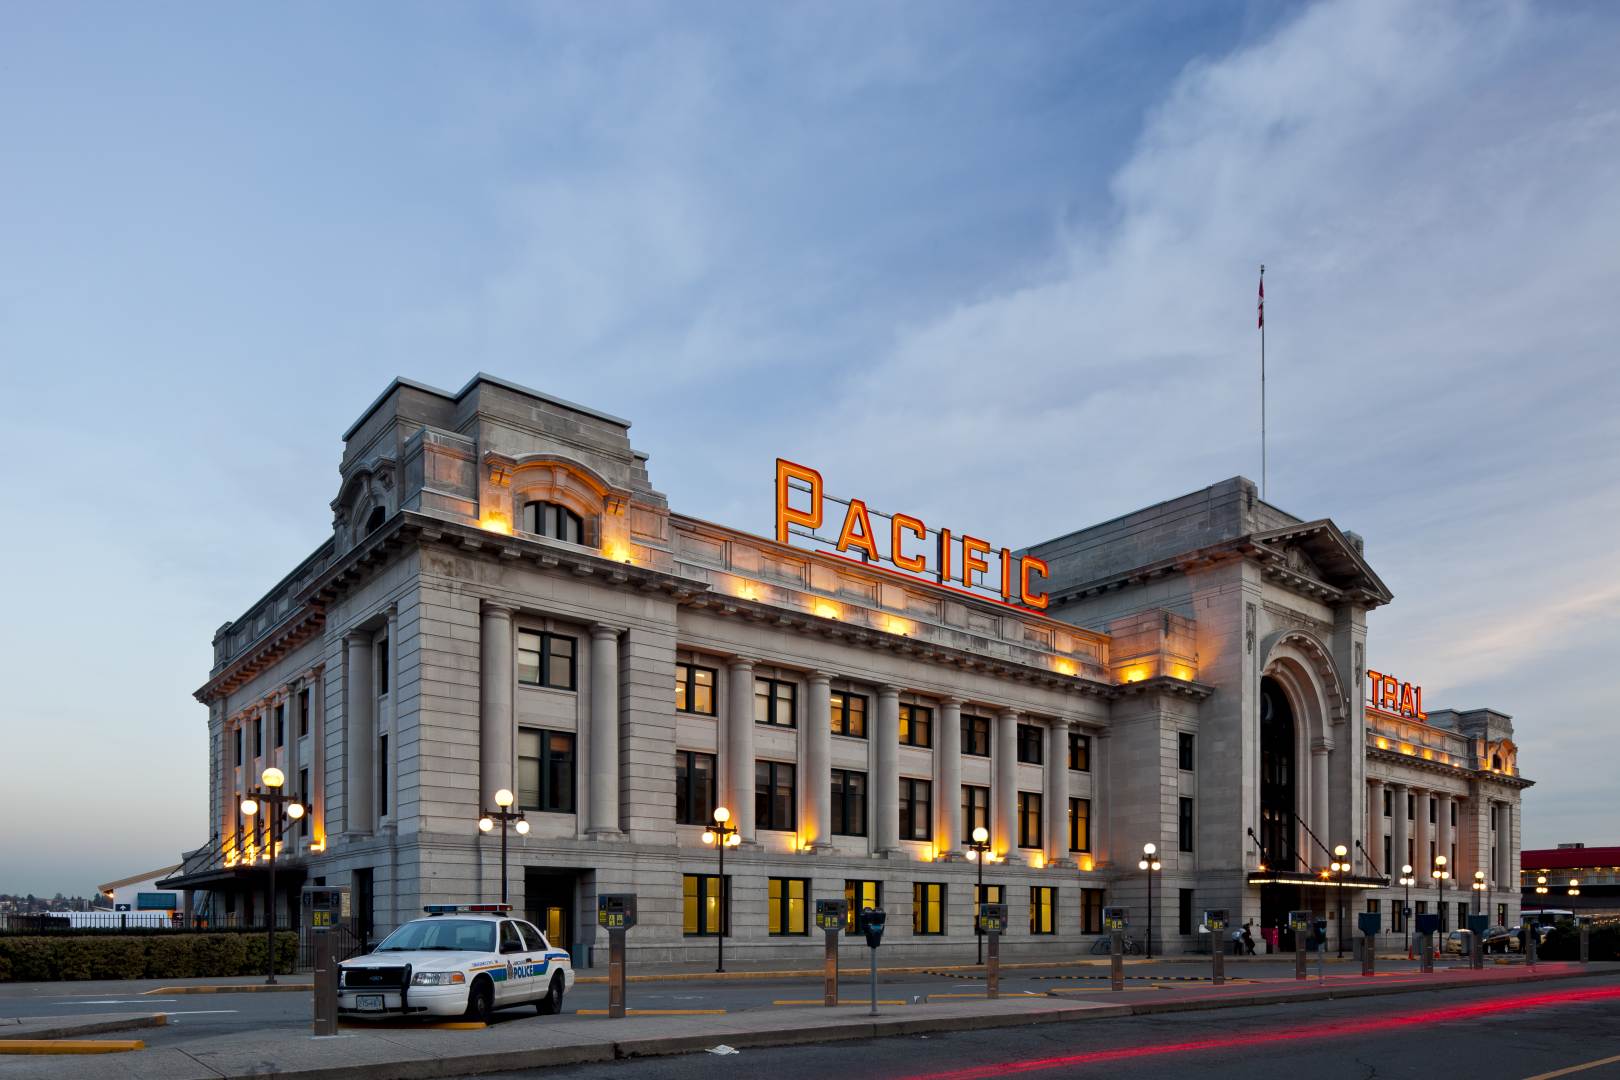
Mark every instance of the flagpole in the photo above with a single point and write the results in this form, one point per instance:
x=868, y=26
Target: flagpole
x=1262, y=380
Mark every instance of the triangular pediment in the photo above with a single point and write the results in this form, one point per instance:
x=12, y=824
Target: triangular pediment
x=1321, y=551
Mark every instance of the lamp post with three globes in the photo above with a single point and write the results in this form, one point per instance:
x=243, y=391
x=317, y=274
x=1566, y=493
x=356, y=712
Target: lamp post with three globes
x=508, y=819
x=271, y=799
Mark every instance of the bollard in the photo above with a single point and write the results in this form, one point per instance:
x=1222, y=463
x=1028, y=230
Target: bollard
x=1532, y=939
x=1299, y=954
x=829, y=986
x=325, y=989
x=1426, y=954
x=616, y=974
x=1478, y=955
x=992, y=965
x=1116, y=960
x=1586, y=941
x=1369, y=948
x=872, y=1011
x=1217, y=956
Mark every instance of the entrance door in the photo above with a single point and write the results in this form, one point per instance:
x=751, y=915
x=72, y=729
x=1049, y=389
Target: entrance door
x=551, y=899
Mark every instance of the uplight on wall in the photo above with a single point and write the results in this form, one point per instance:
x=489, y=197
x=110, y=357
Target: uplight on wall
x=1064, y=666
x=496, y=523
x=826, y=610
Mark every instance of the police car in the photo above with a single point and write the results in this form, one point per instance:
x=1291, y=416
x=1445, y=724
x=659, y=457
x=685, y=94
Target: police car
x=463, y=959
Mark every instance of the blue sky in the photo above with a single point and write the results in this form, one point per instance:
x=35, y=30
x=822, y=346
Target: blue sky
x=993, y=264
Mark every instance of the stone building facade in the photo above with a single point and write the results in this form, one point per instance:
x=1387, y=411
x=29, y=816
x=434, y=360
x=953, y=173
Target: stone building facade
x=507, y=602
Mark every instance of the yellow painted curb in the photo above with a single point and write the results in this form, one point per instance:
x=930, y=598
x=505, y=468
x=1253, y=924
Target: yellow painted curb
x=819, y=1001
x=244, y=988
x=69, y=1046
x=654, y=1012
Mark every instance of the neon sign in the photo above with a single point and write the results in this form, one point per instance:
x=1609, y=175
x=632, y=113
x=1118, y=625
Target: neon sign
x=1392, y=695
x=905, y=543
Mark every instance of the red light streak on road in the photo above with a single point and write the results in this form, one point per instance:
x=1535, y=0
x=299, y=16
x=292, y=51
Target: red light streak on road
x=1332, y=1030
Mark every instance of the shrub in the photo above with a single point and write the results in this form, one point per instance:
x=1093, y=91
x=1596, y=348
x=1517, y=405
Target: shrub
x=177, y=955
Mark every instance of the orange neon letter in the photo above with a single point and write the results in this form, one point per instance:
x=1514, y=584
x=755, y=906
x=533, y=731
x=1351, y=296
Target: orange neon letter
x=944, y=554
x=1406, y=700
x=973, y=550
x=786, y=515
x=1391, y=698
x=1027, y=563
x=849, y=537
x=917, y=564
x=1006, y=575
x=1417, y=703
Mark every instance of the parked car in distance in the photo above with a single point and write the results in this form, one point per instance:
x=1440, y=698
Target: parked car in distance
x=1502, y=939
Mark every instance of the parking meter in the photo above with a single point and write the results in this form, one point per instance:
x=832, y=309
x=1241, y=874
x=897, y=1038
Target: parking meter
x=1115, y=920
x=872, y=922
x=1477, y=926
x=325, y=908
x=1370, y=924
x=993, y=921
x=1428, y=924
x=1299, y=922
x=830, y=916
x=1215, y=920
x=616, y=913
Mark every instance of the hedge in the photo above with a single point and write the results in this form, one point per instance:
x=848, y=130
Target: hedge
x=1564, y=943
x=179, y=955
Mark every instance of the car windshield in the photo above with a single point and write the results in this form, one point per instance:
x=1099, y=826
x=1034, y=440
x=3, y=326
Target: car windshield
x=467, y=935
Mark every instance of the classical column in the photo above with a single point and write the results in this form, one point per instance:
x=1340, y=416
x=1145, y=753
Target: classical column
x=496, y=655
x=1400, y=829
x=1004, y=789
x=1442, y=831
x=884, y=809
x=1056, y=795
x=1504, y=848
x=392, y=763
x=738, y=790
x=1422, y=833
x=948, y=780
x=815, y=764
x=1374, y=830
x=1319, y=806
x=360, y=731
x=604, y=778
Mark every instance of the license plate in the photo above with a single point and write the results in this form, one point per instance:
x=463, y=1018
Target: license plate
x=369, y=1002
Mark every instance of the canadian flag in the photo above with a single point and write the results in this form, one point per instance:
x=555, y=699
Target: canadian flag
x=1262, y=306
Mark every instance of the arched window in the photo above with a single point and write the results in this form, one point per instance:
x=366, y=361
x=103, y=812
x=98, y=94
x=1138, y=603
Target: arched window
x=375, y=520
x=557, y=522
x=1496, y=762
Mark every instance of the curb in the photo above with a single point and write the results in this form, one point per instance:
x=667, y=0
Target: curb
x=850, y=973
x=89, y=1027
x=41, y=1047
x=226, y=988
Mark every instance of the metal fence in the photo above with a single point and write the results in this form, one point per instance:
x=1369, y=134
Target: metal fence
x=105, y=922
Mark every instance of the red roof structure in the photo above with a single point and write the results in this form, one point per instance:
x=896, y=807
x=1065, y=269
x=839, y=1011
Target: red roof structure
x=1568, y=858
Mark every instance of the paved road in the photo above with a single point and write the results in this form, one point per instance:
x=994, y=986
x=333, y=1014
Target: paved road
x=1512, y=1033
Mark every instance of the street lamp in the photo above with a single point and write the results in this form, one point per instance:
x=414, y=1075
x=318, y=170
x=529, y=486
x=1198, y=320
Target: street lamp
x=979, y=852
x=722, y=835
x=1574, y=886
x=1541, y=884
x=1150, y=862
x=1440, y=875
x=1407, y=881
x=272, y=799
x=508, y=819
x=1339, y=865
x=1479, y=889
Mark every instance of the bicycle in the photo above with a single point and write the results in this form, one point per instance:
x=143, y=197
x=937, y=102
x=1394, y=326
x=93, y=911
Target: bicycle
x=1103, y=946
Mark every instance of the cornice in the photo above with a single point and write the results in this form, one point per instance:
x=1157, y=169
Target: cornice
x=1440, y=768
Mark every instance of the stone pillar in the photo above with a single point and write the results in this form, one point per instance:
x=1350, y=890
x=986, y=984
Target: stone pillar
x=1055, y=798
x=815, y=764
x=1421, y=835
x=360, y=730
x=604, y=733
x=884, y=810
x=1400, y=829
x=393, y=723
x=496, y=725
x=1004, y=789
x=1443, y=833
x=738, y=755
x=1320, y=824
x=948, y=780
x=1374, y=831
x=1504, y=848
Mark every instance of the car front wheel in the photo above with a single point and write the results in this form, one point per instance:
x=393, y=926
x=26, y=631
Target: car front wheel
x=551, y=1003
x=481, y=1000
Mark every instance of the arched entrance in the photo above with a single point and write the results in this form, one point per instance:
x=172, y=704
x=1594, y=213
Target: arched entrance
x=1279, y=832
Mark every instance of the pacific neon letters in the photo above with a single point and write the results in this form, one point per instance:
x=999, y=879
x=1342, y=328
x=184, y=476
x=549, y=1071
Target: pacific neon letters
x=856, y=533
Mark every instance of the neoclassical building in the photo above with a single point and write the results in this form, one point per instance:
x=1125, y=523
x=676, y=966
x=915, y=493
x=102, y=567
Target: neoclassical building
x=506, y=601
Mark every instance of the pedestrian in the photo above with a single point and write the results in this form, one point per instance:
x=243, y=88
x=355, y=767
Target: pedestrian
x=1248, y=938
x=1237, y=942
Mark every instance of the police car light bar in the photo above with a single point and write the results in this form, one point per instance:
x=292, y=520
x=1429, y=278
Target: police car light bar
x=451, y=909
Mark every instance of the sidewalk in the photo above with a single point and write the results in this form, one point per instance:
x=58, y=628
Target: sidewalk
x=527, y=1042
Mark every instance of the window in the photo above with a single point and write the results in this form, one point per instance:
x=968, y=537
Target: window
x=382, y=775
x=303, y=711
x=975, y=810
x=694, y=689
x=773, y=795
x=1091, y=905
x=986, y=894
x=775, y=702
x=849, y=715
x=1079, y=824
x=1411, y=806
x=546, y=660
x=705, y=905
x=1421, y=907
x=1389, y=802
x=1432, y=806
x=239, y=746
x=785, y=906
x=1501, y=914
x=916, y=725
x=1042, y=909
x=375, y=519
x=1079, y=752
x=694, y=787
x=1184, y=750
x=557, y=522
x=281, y=727
x=915, y=820
x=1389, y=861
x=546, y=770
x=1184, y=824
x=976, y=735
x=860, y=894
x=1184, y=904
x=382, y=667
x=1453, y=814
x=848, y=802
x=1029, y=744
x=927, y=908
x=258, y=736
x=303, y=797
x=1029, y=819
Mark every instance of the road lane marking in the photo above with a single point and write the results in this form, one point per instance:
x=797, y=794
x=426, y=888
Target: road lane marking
x=115, y=1001
x=1575, y=1068
x=820, y=1001
x=654, y=1012
x=199, y=1012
